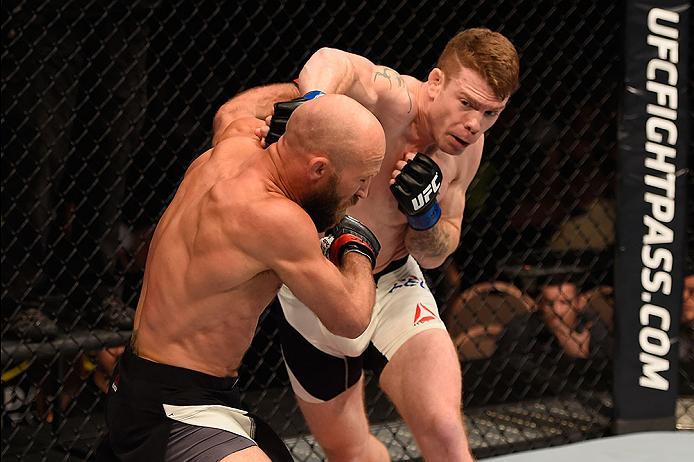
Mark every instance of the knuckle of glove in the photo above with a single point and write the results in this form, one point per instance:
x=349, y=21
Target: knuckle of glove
x=416, y=188
x=350, y=235
x=283, y=110
x=278, y=122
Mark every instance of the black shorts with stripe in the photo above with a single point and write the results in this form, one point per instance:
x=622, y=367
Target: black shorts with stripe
x=157, y=412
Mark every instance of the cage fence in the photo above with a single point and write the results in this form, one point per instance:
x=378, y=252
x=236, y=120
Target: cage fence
x=105, y=104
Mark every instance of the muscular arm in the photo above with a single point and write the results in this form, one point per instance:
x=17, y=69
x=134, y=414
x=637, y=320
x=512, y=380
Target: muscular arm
x=341, y=298
x=376, y=87
x=255, y=103
x=431, y=247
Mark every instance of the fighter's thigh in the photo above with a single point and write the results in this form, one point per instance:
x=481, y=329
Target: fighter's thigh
x=406, y=308
x=425, y=362
x=252, y=454
x=340, y=422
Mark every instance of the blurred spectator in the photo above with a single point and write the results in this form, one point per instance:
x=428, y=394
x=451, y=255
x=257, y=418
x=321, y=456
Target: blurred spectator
x=477, y=316
x=560, y=345
x=25, y=396
x=96, y=366
x=513, y=348
x=73, y=97
x=572, y=325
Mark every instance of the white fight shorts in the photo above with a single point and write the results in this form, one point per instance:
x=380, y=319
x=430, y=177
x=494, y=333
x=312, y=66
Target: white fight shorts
x=322, y=365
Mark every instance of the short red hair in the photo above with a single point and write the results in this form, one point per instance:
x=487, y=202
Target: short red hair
x=488, y=53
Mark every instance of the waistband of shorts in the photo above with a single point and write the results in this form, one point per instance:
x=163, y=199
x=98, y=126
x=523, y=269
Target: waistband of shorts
x=175, y=376
x=392, y=266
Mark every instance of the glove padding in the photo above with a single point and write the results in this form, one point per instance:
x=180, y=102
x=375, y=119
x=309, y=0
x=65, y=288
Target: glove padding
x=416, y=188
x=284, y=109
x=350, y=235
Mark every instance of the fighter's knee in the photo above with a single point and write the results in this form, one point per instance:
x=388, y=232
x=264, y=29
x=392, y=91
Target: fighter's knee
x=344, y=453
x=444, y=427
x=371, y=450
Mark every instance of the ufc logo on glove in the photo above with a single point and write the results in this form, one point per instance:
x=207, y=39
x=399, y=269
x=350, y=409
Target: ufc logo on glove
x=423, y=198
x=415, y=189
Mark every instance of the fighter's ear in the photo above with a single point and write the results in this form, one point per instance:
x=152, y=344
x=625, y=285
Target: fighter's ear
x=319, y=167
x=435, y=81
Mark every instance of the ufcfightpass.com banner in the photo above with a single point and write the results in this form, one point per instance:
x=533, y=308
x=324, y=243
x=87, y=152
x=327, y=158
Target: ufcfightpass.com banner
x=649, y=269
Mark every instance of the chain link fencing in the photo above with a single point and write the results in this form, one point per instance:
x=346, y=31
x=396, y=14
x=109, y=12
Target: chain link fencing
x=105, y=104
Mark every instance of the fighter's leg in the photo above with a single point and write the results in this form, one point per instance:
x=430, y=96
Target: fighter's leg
x=329, y=388
x=193, y=442
x=341, y=427
x=252, y=454
x=423, y=379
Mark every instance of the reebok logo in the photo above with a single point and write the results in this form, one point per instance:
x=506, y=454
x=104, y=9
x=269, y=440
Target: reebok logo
x=423, y=314
x=423, y=198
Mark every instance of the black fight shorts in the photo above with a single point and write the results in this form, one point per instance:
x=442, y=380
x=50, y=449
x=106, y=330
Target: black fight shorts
x=156, y=412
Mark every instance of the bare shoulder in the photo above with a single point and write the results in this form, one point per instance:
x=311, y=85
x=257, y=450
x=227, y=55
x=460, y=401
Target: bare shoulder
x=273, y=222
x=396, y=92
x=198, y=161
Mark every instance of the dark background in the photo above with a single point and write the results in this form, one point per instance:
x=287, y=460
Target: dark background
x=105, y=104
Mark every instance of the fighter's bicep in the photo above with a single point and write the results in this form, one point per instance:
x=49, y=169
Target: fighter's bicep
x=313, y=279
x=379, y=88
x=286, y=241
x=301, y=266
x=452, y=204
x=296, y=256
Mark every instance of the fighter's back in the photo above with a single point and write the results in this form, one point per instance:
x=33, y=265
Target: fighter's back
x=202, y=293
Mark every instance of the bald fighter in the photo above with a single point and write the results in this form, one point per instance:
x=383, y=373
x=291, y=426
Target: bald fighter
x=435, y=131
x=244, y=221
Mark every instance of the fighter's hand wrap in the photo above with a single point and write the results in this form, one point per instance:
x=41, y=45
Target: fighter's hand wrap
x=284, y=109
x=350, y=235
x=415, y=189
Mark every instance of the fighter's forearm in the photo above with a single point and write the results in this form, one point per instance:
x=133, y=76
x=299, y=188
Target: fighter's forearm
x=328, y=70
x=431, y=247
x=256, y=102
x=362, y=289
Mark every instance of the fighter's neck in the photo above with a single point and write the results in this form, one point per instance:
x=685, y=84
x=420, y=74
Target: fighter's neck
x=276, y=174
x=418, y=134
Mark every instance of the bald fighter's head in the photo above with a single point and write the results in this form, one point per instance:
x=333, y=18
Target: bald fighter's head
x=338, y=146
x=337, y=127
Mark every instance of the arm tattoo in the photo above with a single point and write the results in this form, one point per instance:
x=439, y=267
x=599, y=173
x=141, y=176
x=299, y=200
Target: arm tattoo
x=430, y=243
x=399, y=80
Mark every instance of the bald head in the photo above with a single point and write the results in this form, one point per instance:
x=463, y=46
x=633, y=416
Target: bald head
x=337, y=127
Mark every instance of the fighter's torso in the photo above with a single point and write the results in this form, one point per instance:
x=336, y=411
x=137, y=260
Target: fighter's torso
x=202, y=294
x=379, y=211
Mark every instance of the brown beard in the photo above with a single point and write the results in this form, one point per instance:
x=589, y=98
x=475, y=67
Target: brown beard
x=323, y=205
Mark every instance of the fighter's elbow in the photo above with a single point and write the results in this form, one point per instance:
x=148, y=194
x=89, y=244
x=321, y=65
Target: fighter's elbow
x=359, y=324
x=351, y=325
x=352, y=329
x=431, y=261
x=337, y=61
x=326, y=53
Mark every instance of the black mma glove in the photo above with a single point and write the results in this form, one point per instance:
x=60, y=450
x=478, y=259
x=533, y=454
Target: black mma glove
x=415, y=189
x=350, y=235
x=283, y=110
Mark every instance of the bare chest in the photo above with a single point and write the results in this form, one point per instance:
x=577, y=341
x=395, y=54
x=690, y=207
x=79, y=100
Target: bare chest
x=379, y=211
